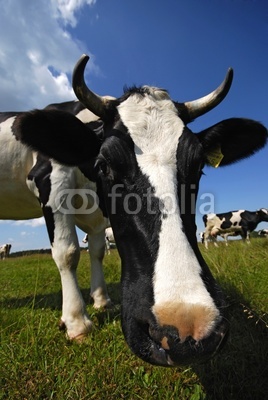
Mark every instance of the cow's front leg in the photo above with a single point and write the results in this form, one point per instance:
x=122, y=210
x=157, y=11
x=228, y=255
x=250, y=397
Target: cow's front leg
x=98, y=292
x=245, y=235
x=66, y=254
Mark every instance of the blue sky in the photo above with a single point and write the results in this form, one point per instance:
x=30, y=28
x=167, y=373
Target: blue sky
x=185, y=47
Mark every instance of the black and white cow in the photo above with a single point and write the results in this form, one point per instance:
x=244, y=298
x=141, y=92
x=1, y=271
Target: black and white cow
x=144, y=163
x=263, y=233
x=5, y=251
x=109, y=239
x=240, y=222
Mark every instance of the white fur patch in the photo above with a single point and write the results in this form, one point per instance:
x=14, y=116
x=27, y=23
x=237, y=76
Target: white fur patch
x=155, y=128
x=16, y=160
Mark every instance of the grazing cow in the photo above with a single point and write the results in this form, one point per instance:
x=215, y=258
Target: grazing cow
x=144, y=164
x=109, y=239
x=214, y=238
x=263, y=233
x=239, y=222
x=5, y=251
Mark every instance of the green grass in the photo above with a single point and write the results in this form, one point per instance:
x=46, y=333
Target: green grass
x=37, y=362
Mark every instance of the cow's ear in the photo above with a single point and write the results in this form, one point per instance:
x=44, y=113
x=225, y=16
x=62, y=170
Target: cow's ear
x=232, y=140
x=57, y=134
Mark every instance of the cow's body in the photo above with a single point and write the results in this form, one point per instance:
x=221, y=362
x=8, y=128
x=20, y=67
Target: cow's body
x=143, y=160
x=240, y=222
x=5, y=251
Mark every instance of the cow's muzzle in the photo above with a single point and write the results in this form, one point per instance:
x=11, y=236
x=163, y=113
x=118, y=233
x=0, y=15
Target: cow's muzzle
x=162, y=346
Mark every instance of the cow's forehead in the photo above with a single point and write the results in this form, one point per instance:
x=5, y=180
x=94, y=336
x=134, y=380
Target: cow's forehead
x=157, y=93
x=153, y=124
x=152, y=121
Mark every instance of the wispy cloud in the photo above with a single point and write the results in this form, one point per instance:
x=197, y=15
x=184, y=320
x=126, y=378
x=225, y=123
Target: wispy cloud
x=66, y=9
x=34, y=223
x=38, y=52
x=30, y=222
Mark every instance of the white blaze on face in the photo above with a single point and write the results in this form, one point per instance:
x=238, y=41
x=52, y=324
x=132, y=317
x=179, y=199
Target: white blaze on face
x=181, y=298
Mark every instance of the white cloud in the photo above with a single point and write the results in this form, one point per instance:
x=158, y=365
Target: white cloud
x=31, y=222
x=66, y=9
x=37, y=53
x=34, y=223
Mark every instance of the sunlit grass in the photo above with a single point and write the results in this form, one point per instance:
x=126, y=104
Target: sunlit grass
x=37, y=362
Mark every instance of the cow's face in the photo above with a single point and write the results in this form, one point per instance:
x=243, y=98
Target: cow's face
x=263, y=214
x=147, y=166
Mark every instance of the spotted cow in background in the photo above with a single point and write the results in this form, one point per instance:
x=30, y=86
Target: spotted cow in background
x=240, y=222
x=109, y=239
x=5, y=251
x=138, y=150
x=263, y=233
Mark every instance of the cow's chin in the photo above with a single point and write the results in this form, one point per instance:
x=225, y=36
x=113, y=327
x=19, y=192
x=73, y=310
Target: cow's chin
x=163, y=346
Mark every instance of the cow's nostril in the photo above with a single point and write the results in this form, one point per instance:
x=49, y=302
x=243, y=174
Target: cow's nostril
x=164, y=335
x=189, y=350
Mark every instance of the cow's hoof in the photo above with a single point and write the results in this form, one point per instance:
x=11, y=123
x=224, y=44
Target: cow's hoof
x=73, y=335
x=78, y=338
x=103, y=304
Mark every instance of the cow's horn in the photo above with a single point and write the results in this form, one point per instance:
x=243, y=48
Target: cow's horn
x=91, y=100
x=198, y=107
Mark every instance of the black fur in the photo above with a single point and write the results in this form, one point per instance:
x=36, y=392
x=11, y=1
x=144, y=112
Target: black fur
x=238, y=138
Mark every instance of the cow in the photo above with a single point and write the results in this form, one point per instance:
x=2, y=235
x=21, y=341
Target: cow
x=240, y=222
x=5, y=251
x=263, y=233
x=109, y=239
x=144, y=164
x=214, y=238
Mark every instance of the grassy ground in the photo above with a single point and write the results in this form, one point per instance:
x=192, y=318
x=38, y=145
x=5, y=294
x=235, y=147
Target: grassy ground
x=37, y=362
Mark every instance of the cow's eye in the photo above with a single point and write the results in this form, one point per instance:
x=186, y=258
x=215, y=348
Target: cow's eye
x=102, y=167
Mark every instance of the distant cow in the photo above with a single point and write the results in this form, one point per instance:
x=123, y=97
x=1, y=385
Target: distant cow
x=109, y=239
x=5, y=251
x=263, y=232
x=240, y=222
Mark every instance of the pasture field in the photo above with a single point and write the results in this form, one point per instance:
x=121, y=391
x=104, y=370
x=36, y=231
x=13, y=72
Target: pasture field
x=37, y=362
